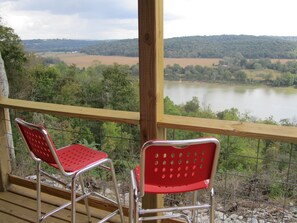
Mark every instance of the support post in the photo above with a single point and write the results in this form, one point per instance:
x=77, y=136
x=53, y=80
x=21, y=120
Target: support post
x=5, y=138
x=151, y=77
x=5, y=166
x=151, y=67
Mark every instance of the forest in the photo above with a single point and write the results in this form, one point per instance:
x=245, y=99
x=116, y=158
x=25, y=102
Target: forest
x=232, y=70
x=56, y=45
x=250, y=47
x=116, y=87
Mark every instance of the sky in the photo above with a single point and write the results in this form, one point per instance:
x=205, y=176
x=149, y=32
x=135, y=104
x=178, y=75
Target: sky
x=117, y=19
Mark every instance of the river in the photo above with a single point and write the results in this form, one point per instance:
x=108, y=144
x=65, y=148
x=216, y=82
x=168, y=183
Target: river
x=259, y=101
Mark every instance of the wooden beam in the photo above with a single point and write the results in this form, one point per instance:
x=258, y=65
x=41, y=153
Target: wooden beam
x=72, y=111
x=151, y=76
x=151, y=66
x=213, y=126
x=235, y=128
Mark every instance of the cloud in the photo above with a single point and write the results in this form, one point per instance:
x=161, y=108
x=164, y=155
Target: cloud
x=86, y=9
x=217, y=17
x=117, y=19
x=88, y=19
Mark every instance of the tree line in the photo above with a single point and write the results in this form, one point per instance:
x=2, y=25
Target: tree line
x=236, y=70
x=251, y=47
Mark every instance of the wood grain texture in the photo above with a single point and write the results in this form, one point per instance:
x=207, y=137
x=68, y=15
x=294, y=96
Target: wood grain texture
x=73, y=111
x=232, y=128
x=21, y=197
x=151, y=77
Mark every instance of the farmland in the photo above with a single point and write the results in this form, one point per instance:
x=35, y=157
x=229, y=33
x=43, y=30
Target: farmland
x=84, y=60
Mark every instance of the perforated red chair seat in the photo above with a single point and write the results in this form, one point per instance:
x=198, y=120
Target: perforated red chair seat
x=75, y=157
x=152, y=188
x=72, y=161
x=174, y=166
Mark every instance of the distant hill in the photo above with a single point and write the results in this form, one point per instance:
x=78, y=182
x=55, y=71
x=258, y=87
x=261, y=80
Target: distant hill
x=56, y=45
x=228, y=45
x=180, y=47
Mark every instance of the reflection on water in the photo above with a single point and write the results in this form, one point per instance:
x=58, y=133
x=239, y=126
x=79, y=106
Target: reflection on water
x=261, y=102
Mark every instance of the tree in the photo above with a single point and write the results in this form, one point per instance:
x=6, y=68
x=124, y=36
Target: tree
x=268, y=77
x=170, y=108
x=226, y=75
x=192, y=106
x=118, y=91
x=240, y=76
x=257, y=66
x=286, y=79
x=116, y=142
x=12, y=52
x=229, y=114
x=11, y=47
x=44, y=81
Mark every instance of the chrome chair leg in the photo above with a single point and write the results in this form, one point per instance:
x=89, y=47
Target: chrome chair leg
x=114, y=180
x=86, y=198
x=73, y=199
x=212, y=208
x=194, y=212
x=136, y=212
x=131, y=203
x=38, y=190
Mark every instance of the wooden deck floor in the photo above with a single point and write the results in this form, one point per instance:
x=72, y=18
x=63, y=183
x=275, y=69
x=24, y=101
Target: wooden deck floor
x=18, y=205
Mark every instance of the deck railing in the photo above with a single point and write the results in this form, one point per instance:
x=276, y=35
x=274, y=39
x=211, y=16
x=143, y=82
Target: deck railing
x=266, y=193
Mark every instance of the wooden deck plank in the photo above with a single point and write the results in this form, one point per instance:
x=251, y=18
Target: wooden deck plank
x=23, y=213
x=30, y=204
x=21, y=198
x=6, y=218
x=21, y=194
x=55, y=200
x=27, y=187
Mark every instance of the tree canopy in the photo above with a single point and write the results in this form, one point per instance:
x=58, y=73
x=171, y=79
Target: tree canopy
x=12, y=51
x=250, y=47
x=11, y=48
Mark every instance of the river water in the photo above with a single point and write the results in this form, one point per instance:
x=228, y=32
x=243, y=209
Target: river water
x=259, y=101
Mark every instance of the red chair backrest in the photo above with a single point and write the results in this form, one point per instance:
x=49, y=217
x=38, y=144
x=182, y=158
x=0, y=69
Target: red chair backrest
x=170, y=165
x=38, y=140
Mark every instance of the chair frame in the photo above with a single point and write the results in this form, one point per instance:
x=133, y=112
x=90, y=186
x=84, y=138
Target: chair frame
x=137, y=189
x=104, y=163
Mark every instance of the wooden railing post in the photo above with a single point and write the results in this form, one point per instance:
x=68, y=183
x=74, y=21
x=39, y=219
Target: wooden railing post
x=151, y=76
x=5, y=165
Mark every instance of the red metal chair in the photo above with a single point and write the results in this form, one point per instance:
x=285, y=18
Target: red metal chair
x=72, y=161
x=174, y=166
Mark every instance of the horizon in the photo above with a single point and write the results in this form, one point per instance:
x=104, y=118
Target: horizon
x=164, y=38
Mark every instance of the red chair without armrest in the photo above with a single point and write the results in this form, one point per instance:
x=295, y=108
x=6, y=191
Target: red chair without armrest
x=72, y=161
x=174, y=166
